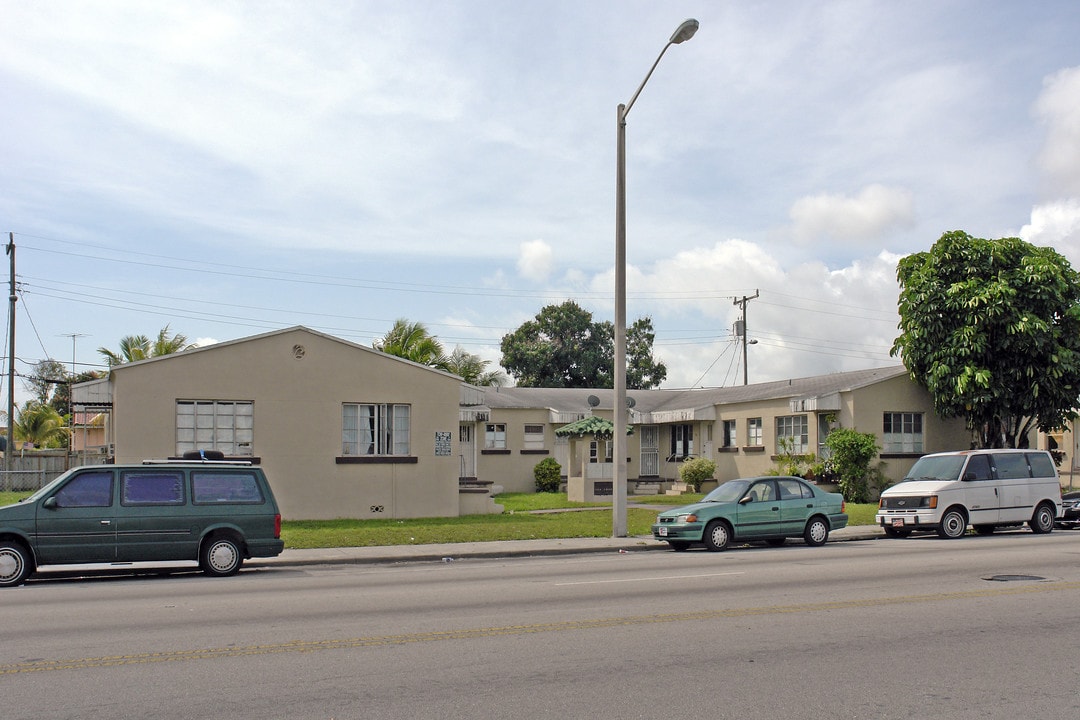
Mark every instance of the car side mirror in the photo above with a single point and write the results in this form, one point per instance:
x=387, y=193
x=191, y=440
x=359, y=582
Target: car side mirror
x=746, y=499
x=50, y=504
x=968, y=477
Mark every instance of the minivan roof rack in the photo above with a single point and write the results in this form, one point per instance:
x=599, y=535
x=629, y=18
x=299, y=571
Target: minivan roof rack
x=183, y=461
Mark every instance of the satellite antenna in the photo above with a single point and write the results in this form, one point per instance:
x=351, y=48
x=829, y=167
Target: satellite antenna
x=630, y=402
x=593, y=401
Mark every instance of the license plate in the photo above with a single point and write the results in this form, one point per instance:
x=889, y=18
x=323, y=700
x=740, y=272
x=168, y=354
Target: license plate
x=662, y=532
x=898, y=522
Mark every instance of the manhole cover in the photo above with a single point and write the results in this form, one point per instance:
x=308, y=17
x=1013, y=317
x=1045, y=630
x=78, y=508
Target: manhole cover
x=1013, y=578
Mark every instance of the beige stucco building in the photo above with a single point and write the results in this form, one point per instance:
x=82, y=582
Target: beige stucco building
x=347, y=431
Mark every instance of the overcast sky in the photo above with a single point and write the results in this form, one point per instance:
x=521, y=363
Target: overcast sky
x=230, y=168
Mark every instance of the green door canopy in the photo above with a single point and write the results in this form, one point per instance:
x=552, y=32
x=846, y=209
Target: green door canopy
x=597, y=427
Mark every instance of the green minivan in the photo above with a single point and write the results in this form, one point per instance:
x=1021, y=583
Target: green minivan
x=214, y=512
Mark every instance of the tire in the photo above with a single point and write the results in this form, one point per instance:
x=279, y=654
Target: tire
x=895, y=533
x=717, y=536
x=221, y=556
x=953, y=524
x=985, y=529
x=816, y=533
x=1042, y=521
x=16, y=564
x=678, y=545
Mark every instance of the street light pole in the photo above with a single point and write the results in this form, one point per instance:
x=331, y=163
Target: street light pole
x=684, y=32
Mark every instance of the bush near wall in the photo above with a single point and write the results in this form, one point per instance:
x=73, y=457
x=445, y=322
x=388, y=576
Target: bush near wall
x=548, y=475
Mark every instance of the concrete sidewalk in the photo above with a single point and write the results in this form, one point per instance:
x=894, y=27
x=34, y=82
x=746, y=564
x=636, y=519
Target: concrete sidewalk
x=449, y=552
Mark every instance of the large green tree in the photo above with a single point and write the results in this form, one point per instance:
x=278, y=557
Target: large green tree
x=991, y=328
x=41, y=425
x=473, y=369
x=563, y=347
x=139, y=347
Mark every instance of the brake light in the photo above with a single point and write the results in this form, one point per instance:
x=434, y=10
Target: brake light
x=277, y=526
x=843, y=506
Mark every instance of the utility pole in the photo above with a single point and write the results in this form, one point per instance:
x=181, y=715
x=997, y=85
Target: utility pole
x=10, y=449
x=742, y=324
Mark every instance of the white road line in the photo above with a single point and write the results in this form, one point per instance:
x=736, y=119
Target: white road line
x=666, y=577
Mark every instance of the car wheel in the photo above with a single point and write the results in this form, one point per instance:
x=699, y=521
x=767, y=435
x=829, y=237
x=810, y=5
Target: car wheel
x=678, y=545
x=221, y=556
x=15, y=564
x=717, y=535
x=985, y=529
x=895, y=532
x=776, y=542
x=817, y=532
x=1043, y=519
x=953, y=524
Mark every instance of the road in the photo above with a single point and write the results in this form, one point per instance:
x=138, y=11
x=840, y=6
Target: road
x=980, y=627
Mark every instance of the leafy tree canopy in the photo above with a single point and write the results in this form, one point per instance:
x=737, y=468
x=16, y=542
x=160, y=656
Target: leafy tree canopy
x=563, y=347
x=412, y=341
x=41, y=425
x=991, y=328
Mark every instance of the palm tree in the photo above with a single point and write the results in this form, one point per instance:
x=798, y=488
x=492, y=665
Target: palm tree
x=412, y=341
x=139, y=347
x=41, y=425
x=473, y=370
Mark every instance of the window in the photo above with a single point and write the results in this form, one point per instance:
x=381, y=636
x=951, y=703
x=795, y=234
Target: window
x=374, y=429
x=152, y=487
x=223, y=425
x=233, y=487
x=495, y=436
x=902, y=432
x=792, y=434
x=729, y=434
x=89, y=489
x=754, y=436
x=534, y=437
x=682, y=442
x=595, y=448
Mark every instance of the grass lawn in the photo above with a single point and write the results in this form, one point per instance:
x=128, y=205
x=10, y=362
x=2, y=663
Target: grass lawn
x=515, y=523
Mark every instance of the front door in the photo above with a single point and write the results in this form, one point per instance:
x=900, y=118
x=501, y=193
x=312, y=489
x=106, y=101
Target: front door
x=650, y=451
x=77, y=523
x=981, y=491
x=467, y=448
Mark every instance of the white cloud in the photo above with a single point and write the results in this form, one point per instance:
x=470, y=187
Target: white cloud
x=535, y=260
x=1059, y=108
x=1057, y=225
x=872, y=213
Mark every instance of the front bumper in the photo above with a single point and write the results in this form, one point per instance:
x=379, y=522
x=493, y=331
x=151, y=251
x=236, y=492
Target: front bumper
x=686, y=532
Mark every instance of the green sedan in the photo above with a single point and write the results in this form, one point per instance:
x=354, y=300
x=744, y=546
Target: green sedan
x=762, y=508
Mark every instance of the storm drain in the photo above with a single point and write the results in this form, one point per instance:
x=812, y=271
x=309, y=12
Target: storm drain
x=1013, y=578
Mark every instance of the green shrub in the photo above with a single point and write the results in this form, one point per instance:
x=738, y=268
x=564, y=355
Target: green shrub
x=850, y=454
x=696, y=471
x=548, y=475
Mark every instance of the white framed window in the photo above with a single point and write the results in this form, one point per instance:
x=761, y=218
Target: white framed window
x=375, y=429
x=754, y=435
x=793, y=429
x=534, y=436
x=598, y=446
x=730, y=439
x=682, y=441
x=902, y=432
x=224, y=425
x=495, y=436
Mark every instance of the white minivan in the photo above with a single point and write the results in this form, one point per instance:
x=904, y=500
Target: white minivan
x=986, y=489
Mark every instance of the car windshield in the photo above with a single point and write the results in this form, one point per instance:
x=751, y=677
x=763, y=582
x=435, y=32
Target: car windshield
x=944, y=467
x=730, y=491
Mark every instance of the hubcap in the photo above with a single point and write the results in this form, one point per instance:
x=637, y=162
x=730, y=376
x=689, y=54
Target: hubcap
x=222, y=556
x=10, y=565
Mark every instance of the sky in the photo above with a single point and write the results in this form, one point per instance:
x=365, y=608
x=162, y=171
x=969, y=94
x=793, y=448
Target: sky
x=232, y=168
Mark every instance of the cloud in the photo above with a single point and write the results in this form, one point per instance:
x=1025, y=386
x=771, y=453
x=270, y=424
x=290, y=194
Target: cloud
x=873, y=212
x=1058, y=107
x=535, y=260
x=1057, y=225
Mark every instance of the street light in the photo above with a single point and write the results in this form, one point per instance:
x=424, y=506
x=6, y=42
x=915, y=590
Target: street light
x=684, y=32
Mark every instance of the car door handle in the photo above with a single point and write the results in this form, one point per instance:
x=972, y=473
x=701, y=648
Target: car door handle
x=106, y=522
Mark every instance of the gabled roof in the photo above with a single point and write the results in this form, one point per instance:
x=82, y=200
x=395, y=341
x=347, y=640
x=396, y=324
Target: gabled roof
x=273, y=333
